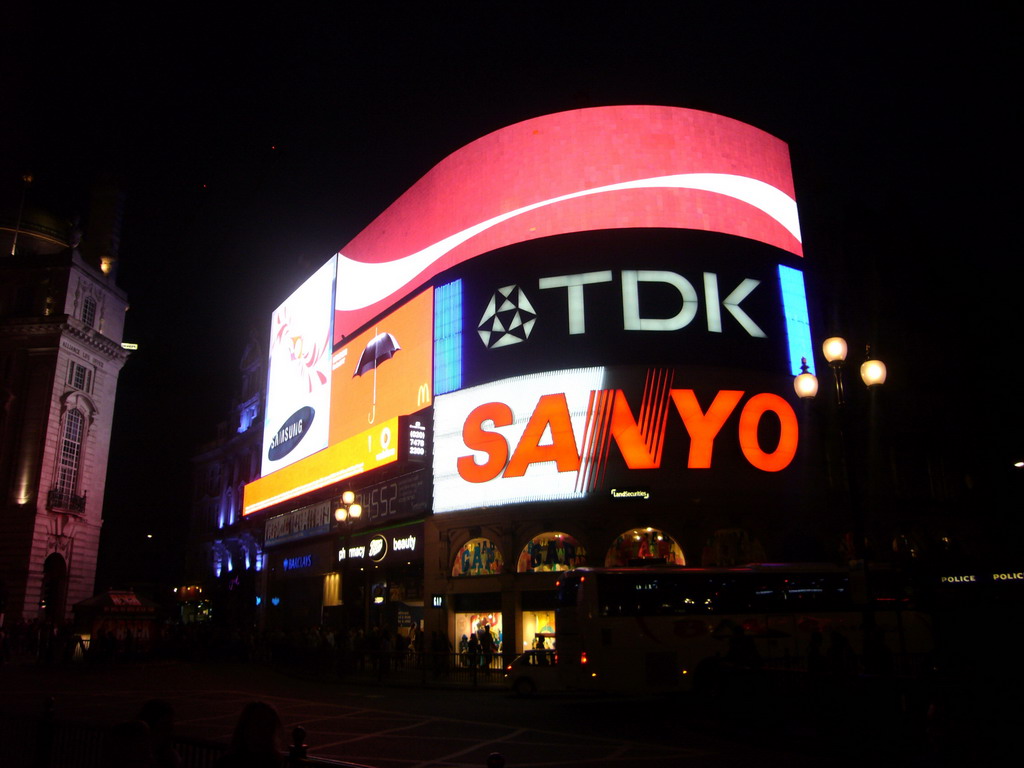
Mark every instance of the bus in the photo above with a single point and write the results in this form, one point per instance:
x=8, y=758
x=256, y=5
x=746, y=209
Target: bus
x=657, y=628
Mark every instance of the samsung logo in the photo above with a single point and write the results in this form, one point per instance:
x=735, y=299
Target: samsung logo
x=290, y=433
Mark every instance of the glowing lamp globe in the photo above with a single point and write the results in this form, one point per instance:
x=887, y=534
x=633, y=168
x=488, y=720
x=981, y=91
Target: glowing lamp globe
x=873, y=372
x=834, y=349
x=806, y=385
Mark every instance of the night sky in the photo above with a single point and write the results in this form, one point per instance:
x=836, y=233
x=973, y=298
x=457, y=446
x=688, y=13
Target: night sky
x=252, y=146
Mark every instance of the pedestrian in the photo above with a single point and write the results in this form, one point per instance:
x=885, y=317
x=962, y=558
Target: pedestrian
x=159, y=716
x=257, y=740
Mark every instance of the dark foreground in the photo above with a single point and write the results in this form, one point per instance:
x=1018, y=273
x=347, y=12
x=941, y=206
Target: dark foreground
x=397, y=723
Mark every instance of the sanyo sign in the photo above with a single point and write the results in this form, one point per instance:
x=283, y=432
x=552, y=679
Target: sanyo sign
x=548, y=436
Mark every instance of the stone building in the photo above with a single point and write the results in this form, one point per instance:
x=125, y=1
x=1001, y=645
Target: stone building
x=61, y=324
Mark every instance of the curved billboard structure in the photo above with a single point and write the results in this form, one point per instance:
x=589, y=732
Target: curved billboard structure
x=589, y=169
x=603, y=306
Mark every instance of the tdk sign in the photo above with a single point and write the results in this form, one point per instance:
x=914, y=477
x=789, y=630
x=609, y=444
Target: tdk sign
x=510, y=316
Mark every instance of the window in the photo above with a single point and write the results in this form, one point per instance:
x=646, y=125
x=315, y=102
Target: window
x=89, y=311
x=79, y=376
x=478, y=557
x=551, y=551
x=70, y=451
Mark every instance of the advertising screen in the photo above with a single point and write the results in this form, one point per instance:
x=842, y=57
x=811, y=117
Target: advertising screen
x=343, y=412
x=476, y=430
x=619, y=297
x=604, y=168
x=384, y=371
x=595, y=431
x=368, y=450
x=630, y=297
x=299, y=377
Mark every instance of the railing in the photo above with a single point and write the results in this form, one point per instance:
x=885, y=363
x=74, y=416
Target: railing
x=63, y=500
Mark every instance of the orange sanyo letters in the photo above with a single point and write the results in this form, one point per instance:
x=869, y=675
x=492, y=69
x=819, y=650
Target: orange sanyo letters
x=553, y=411
x=491, y=443
x=640, y=448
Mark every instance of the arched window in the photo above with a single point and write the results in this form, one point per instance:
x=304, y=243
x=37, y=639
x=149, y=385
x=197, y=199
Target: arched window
x=70, y=452
x=643, y=544
x=478, y=557
x=89, y=311
x=551, y=551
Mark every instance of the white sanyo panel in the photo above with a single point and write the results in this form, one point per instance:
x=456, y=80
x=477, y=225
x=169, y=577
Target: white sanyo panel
x=541, y=481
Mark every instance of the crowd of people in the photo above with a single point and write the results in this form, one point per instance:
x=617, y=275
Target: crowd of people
x=479, y=649
x=377, y=651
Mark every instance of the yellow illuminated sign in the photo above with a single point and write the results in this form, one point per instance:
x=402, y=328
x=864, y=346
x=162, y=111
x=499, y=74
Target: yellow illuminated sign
x=368, y=450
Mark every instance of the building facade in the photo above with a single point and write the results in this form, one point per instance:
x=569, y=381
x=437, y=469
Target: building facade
x=572, y=342
x=61, y=325
x=225, y=554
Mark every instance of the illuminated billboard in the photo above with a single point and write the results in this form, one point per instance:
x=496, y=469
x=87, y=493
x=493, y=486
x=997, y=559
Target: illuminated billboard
x=590, y=300
x=299, y=373
x=384, y=371
x=373, y=448
x=343, y=410
x=629, y=297
x=576, y=433
x=604, y=168
x=474, y=429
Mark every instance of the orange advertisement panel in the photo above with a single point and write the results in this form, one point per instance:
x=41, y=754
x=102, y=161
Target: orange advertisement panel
x=360, y=453
x=385, y=371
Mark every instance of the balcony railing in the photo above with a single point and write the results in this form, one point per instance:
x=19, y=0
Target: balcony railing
x=63, y=500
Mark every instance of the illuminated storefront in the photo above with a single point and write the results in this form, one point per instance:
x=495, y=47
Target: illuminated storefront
x=584, y=347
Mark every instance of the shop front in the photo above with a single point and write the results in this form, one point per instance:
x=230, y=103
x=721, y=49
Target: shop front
x=384, y=568
x=501, y=581
x=296, y=582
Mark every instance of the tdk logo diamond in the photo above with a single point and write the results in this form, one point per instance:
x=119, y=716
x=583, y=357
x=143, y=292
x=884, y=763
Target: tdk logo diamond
x=508, y=319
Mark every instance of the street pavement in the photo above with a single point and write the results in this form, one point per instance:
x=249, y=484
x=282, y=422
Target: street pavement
x=398, y=726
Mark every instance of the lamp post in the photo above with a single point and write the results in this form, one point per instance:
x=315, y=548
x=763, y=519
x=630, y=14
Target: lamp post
x=347, y=512
x=872, y=373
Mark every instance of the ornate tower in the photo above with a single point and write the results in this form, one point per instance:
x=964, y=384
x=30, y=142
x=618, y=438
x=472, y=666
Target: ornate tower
x=61, y=325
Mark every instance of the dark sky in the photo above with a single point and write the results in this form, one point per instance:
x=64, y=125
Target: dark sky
x=252, y=145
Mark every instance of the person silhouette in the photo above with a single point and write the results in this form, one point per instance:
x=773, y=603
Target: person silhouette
x=256, y=741
x=159, y=716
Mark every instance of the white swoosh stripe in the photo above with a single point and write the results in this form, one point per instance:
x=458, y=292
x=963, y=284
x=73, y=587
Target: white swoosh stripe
x=361, y=284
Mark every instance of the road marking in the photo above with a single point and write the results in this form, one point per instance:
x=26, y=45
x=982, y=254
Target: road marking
x=473, y=748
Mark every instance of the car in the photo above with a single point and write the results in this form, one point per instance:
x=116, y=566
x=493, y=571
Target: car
x=534, y=671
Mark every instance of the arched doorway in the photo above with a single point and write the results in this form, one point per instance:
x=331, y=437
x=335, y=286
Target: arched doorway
x=55, y=587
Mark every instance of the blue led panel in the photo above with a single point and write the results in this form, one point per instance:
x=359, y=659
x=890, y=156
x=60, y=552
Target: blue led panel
x=448, y=337
x=798, y=324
